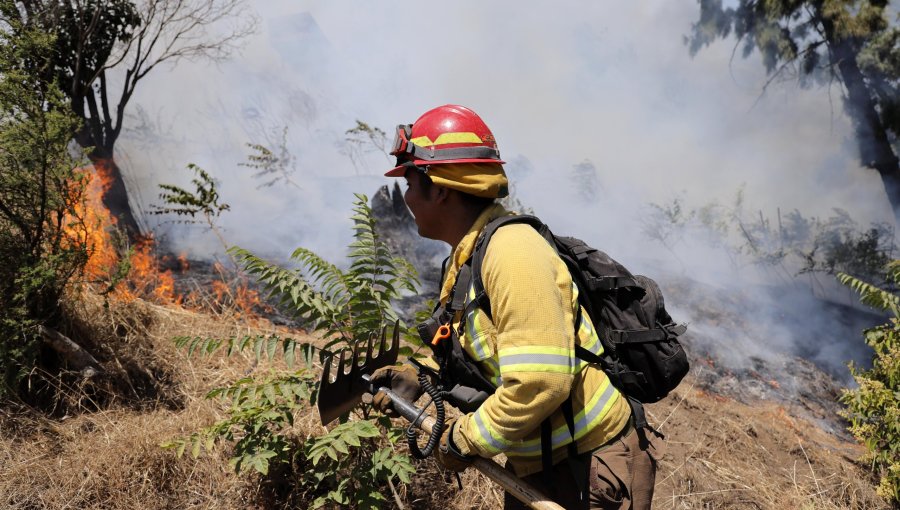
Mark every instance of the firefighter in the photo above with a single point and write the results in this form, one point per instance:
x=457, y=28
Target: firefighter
x=454, y=174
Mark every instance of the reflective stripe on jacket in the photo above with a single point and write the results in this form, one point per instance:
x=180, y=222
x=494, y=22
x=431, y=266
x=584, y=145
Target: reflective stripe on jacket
x=528, y=352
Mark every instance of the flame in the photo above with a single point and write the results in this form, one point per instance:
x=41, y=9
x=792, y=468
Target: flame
x=146, y=277
x=221, y=290
x=90, y=224
x=248, y=300
x=94, y=226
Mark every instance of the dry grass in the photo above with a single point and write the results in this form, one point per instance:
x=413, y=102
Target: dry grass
x=724, y=454
x=721, y=454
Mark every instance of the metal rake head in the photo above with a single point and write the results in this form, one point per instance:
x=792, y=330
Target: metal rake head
x=340, y=394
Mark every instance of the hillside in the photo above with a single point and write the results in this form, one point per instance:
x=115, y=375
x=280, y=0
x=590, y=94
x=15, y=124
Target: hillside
x=100, y=449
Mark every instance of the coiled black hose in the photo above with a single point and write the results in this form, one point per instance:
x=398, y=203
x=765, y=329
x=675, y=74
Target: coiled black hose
x=435, y=437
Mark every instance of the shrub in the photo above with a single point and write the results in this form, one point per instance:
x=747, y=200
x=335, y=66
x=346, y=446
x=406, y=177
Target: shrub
x=874, y=408
x=42, y=241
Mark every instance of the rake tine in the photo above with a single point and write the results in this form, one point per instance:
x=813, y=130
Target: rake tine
x=395, y=340
x=340, y=369
x=340, y=395
x=381, y=344
x=369, y=343
x=327, y=358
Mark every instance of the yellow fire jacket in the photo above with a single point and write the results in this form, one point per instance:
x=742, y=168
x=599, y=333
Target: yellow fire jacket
x=528, y=351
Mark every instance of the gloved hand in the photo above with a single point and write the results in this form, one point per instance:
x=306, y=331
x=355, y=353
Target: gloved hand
x=403, y=380
x=448, y=454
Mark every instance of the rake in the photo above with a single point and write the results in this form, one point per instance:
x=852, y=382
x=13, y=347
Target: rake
x=340, y=393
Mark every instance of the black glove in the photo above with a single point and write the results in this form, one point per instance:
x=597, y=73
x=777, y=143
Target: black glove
x=403, y=380
x=448, y=455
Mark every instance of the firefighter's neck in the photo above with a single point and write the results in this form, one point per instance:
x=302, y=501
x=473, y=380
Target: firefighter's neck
x=460, y=217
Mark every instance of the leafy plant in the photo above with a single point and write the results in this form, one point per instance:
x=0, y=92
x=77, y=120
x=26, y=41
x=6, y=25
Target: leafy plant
x=273, y=166
x=202, y=201
x=363, y=139
x=43, y=234
x=341, y=304
x=874, y=407
x=342, y=451
x=351, y=464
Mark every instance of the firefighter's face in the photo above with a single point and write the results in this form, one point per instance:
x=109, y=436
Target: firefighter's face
x=422, y=201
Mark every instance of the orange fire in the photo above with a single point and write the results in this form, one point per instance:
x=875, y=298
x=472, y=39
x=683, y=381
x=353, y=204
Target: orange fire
x=147, y=279
x=93, y=225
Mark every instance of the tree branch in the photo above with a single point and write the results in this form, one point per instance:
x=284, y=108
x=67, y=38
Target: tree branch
x=75, y=355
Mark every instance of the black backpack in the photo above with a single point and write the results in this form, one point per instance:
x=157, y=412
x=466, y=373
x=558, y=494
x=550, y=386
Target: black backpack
x=641, y=352
x=642, y=355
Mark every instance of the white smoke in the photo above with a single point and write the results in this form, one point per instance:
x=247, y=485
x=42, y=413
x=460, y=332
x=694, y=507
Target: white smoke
x=559, y=84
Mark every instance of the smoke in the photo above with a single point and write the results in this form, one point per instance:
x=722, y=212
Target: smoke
x=574, y=92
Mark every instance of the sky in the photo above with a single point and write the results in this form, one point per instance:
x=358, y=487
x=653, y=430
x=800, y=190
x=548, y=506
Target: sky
x=610, y=85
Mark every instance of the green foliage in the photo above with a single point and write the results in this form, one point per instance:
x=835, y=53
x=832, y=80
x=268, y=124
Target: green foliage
x=260, y=416
x=854, y=42
x=43, y=244
x=204, y=200
x=345, y=451
x=350, y=465
x=342, y=304
x=873, y=408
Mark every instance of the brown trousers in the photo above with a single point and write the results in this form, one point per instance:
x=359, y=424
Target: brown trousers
x=619, y=475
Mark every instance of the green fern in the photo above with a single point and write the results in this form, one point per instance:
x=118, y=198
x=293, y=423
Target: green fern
x=348, y=466
x=264, y=347
x=340, y=304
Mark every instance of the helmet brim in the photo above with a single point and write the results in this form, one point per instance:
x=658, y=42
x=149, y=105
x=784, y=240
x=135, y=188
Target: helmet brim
x=400, y=171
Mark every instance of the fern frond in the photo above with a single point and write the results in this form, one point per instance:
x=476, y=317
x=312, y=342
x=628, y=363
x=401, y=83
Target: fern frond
x=290, y=290
x=893, y=271
x=266, y=347
x=871, y=295
x=330, y=280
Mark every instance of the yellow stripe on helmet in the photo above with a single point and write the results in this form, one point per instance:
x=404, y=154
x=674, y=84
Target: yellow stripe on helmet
x=446, y=138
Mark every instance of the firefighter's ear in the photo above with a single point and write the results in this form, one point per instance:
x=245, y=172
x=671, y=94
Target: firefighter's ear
x=441, y=194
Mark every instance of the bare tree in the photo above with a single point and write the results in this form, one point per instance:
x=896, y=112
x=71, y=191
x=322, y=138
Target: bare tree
x=104, y=48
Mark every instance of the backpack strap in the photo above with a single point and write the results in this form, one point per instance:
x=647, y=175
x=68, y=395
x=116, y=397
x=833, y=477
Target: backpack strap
x=457, y=299
x=481, y=297
x=657, y=334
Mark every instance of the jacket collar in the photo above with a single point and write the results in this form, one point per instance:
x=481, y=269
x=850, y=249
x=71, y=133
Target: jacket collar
x=466, y=246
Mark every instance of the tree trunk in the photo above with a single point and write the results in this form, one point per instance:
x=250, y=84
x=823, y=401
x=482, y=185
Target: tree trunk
x=875, y=150
x=115, y=196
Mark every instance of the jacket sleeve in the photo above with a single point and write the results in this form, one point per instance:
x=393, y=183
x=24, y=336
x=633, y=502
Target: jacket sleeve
x=530, y=290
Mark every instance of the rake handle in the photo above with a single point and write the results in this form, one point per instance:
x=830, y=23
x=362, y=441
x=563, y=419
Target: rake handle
x=513, y=485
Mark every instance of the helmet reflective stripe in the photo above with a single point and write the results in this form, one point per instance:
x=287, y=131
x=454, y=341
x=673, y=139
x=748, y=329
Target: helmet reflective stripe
x=446, y=138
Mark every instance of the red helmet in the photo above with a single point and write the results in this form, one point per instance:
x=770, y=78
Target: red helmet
x=446, y=134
